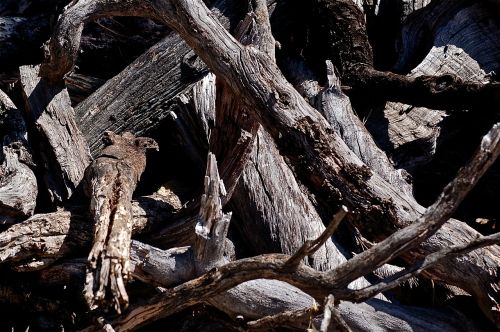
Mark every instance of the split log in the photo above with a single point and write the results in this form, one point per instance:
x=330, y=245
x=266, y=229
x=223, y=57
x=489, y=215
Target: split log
x=18, y=186
x=110, y=182
x=62, y=149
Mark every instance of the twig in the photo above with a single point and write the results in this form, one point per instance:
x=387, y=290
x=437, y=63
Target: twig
x=311, y=246
x=284, y=319
x=331, y=313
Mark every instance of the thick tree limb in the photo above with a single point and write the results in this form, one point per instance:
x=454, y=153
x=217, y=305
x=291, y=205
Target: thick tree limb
x=433, y=218
x=45, y=238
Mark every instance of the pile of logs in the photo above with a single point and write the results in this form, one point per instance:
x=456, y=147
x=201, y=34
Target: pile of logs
x=249, y=165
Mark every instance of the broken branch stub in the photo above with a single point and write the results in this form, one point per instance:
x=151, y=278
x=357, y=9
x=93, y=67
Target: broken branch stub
x=110, y=182
x=213, y=223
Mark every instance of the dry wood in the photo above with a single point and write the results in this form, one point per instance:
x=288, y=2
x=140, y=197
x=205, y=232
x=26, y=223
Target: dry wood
x=63, y=152
x=258, y=298
x=450, y=46
x=320, y=158
x=311, y=246
x=309, y=163
x=330, y=313
x=212, y=226
x=18, y=186
x=111, y=180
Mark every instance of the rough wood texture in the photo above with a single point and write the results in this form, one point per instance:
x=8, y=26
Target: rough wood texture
x=448, y=37
x=63, y=152
x=18, y=186
x=252, y=299
x=134, y=101
x=320, y=157
x=111, y=180
x=212, y=226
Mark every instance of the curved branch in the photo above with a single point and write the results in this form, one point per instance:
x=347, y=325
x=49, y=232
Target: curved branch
x=61, y=50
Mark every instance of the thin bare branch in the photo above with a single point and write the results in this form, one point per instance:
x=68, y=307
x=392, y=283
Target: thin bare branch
x=364, y=294
x=285, y=319
x=311, y=246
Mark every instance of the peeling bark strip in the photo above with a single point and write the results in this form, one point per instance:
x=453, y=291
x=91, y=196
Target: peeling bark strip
x=18, y=187
x=64, y=154
x=110, y=182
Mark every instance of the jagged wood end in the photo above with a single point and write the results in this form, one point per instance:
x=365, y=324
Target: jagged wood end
x=213, y=224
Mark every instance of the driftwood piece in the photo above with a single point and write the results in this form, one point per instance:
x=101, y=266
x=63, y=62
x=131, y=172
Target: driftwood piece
x=18, y=186
x=111, y=180
x=62, y=149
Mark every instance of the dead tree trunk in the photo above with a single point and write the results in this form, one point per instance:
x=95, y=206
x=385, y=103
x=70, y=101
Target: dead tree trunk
x=241, y=219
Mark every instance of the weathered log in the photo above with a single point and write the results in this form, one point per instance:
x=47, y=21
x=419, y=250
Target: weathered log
x=134, y=101
x=110, y=182
x=62, y=149
x=18, y=186
x=319, y=156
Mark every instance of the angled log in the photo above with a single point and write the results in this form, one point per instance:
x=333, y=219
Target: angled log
x=63, y=152
x=134, y=101
x=18, y=185
x=110, y=182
